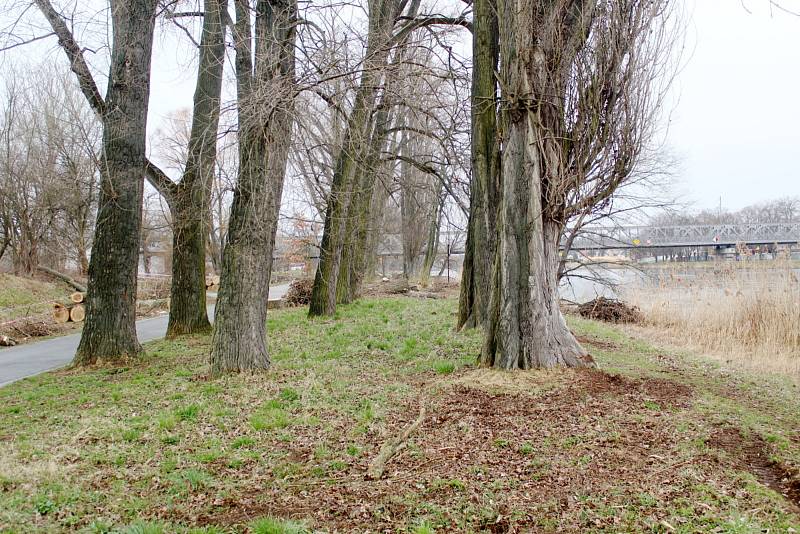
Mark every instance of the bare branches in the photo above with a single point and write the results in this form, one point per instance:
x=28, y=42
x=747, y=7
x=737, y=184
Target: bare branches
x=75, y=55
x=23, y=42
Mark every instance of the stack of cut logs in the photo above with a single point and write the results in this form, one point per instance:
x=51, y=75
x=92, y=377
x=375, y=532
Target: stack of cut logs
x=212, y=283
x=74, y=310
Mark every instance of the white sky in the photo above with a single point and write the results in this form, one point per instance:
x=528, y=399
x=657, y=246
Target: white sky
x=735, y=129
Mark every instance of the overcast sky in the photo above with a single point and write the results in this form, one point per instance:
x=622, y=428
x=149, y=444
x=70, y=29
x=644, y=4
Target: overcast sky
x=736, y=126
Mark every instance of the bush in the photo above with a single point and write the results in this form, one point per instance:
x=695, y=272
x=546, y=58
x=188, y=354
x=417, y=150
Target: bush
x=299, y=293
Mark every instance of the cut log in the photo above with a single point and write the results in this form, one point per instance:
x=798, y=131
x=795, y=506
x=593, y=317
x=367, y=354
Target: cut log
x=76, y=297
x=60, y=313
x=77, y=313
x=6, y=341
x=63, y=277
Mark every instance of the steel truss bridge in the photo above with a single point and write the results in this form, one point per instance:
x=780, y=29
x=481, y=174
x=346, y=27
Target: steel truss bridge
x=702, y=235
x=627, y=237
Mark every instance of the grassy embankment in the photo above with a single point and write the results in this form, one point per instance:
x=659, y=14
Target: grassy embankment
x=22, y=297
x=652, y=442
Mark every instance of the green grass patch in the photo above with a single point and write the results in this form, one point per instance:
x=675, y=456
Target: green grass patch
x=150, y=448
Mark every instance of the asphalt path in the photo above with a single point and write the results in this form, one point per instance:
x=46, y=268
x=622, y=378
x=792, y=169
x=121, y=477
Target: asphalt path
x=31, y=359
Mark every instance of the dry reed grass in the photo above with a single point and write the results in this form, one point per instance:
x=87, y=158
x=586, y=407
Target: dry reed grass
x=744, y=317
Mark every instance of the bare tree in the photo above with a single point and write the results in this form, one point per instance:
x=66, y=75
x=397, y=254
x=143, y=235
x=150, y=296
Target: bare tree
x=109, y=331
x=189, y=199
x=341, y=263
x=266, y=88
x=48, y=170
x=579, y=84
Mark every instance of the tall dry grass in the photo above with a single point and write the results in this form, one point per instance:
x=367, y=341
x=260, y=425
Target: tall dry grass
x=747, y=317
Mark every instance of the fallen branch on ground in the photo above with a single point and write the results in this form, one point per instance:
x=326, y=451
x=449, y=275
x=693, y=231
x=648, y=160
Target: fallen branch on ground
x=393, y=446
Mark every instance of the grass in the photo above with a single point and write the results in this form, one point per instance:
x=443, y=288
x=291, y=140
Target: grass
x=749, y=317
x=159, y=447
x=20, y=297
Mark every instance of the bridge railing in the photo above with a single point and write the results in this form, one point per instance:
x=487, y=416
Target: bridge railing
x=686, y=236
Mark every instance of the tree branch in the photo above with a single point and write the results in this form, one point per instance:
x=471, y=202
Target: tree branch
x=427, y=20
x=78, y=65
x=75, y=55
x=162, y=183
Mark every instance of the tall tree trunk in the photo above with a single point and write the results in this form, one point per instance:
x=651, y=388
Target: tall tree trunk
x=265, y=126
x=355, y=256
x=432, y=244
x=109, y=330
x=190, y=204
x=334, y=235
x=525, y=326
x=350, y=161
x=480, y=246
x=409, y=206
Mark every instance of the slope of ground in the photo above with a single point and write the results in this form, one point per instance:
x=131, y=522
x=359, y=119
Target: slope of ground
x=20, y=297
x=26, y=305
x=649, y=442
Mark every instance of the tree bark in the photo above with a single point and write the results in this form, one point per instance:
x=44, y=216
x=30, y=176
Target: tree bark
x=265, y=125
x=480, y=245
x=109, y=331
x=350, y=160
x=525, y=326
x=190, y=203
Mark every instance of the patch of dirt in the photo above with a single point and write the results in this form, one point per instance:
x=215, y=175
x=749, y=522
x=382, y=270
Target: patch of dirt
x=511, y=458
x=581, y=382
x=751, y=454
x=596, y=342
x=663, y=391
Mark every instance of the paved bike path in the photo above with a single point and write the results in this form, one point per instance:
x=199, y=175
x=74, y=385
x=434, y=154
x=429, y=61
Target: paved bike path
x=32, y=359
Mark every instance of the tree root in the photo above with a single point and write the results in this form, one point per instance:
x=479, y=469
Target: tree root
x=392, y=447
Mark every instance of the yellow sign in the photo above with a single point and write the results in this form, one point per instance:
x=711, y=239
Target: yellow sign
x=636, y=241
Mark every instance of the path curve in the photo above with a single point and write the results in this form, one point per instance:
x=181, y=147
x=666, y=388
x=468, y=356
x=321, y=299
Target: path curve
x=32, y=359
